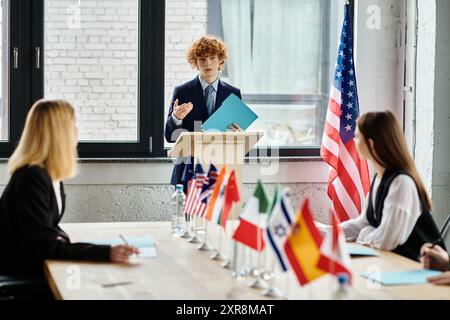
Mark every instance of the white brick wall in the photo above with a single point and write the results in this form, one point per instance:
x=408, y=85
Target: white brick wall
x=186, y=20
x=92, y=61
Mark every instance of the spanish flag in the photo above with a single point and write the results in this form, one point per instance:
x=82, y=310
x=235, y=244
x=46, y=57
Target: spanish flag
x=302, y=246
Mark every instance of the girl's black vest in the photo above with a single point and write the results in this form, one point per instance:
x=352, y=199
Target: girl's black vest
x=425, y=230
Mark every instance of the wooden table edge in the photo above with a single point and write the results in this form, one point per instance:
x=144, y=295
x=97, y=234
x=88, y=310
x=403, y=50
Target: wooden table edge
x=51, y=282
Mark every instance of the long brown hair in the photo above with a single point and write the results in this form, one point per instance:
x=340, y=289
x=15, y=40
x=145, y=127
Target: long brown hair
x=389, y=148
x=48, y=140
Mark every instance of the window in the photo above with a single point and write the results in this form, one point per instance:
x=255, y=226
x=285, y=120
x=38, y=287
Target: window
x=11, y=53
x=91, y=60
x=101, y=57
x=117, y=62
x=281, y=57
x=4, y=71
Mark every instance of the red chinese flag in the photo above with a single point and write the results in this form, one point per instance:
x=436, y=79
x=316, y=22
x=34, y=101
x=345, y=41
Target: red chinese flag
x=231, y=196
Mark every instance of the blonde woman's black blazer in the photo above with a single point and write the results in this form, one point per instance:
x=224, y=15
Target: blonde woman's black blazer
x=29, y=231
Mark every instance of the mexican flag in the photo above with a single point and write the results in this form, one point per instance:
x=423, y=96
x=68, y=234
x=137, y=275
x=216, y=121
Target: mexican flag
x=253, y=220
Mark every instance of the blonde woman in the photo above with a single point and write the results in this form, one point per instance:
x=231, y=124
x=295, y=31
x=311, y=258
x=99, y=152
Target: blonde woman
x=33, y=202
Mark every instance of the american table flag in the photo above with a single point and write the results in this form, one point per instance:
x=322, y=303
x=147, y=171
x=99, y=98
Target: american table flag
x=206, y=192
x=194, y=189
x=348, y=179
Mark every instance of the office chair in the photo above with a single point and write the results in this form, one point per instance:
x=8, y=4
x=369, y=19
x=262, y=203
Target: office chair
x=12, y=288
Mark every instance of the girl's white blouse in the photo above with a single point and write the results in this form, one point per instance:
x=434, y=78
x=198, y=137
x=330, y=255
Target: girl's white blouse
x=401, y=211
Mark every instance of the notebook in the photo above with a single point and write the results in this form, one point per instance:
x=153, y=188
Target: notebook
x=143, y=241
x=361, y=251
x=146, y=244
x=401, y=277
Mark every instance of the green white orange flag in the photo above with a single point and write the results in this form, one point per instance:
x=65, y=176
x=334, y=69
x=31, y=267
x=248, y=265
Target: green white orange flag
x=217, y=196
x=276, y=199
x=253, y=220
x=302, y=247
x=231, y=196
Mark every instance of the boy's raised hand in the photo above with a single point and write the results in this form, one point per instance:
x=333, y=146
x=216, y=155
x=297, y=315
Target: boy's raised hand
x=180, y=112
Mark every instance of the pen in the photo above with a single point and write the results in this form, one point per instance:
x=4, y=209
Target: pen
x=123, y=239
x=110, y=285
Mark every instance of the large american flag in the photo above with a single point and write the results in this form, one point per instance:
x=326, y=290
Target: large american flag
x=348, y=180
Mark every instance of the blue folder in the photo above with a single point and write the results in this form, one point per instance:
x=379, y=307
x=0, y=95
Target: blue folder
x=401, y=278
x=232, y=110
x=138, y=242
x=360, y=251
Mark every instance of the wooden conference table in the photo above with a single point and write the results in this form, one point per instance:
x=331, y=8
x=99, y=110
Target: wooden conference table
x=180, y=271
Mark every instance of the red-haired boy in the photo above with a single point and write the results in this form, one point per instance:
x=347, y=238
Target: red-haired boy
x=198, y=99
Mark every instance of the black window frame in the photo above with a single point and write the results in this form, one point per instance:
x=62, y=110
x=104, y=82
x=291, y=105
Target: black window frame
x=26, y=84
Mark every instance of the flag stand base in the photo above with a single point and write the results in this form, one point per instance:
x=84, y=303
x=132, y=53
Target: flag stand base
x=218, y=256
x=273, y=292
x=267, y=275
x=258, y=283
x=204, y=246
x=186, y=235
x=227, y=264
x=194, y=239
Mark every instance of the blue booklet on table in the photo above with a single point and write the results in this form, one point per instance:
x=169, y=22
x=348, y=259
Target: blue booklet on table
x=361, y=251
x=138, y=242
x=401, y=278
x=146, y=244
x=232, y=110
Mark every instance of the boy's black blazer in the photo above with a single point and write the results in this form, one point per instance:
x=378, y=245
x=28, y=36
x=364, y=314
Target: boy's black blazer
x=192, y=91
x=29, y=231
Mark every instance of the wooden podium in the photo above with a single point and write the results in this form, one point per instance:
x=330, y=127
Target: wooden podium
x=220, y=148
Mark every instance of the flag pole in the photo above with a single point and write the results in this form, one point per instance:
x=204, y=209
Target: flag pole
x=218, y=255
x=204, y=246
x=287, y=285
x=194, y=239
x=233, y=264
x=266, y=273
x=186, y=234
x=230, y=263
x=272, y=291
x=240, y=269
x=259, y=282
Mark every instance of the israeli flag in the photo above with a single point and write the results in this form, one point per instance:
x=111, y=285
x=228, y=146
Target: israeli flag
x=279, y=224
